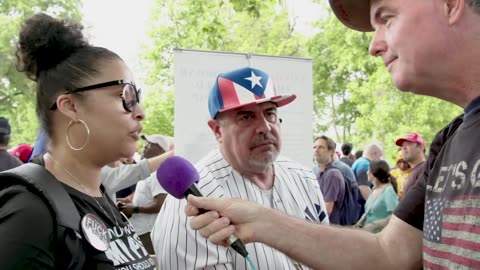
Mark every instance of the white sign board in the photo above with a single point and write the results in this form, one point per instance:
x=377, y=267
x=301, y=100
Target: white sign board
x=195, y=74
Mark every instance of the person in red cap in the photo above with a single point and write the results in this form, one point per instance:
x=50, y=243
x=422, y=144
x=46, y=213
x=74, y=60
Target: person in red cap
x=429, y=47
x=413, y=149
x=22, y=152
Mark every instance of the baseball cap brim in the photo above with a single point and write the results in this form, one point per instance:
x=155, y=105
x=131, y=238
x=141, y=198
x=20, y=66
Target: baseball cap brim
x=145, y=137
x=354, y=14
x=400, y=141
x=163, y=141
x=280, y=100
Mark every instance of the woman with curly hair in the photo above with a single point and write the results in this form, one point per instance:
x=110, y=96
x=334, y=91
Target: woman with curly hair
x=87, y=102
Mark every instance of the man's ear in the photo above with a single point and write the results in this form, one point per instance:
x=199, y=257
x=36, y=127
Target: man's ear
x=215, y=127
x=453, y=10
x=66, y=105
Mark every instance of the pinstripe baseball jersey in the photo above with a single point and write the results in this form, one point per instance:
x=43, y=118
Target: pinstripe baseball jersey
x=295, y=192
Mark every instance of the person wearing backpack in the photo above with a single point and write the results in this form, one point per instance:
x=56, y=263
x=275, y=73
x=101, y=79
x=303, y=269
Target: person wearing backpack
x=54, y=213
x=351, y=207
x=332, y=183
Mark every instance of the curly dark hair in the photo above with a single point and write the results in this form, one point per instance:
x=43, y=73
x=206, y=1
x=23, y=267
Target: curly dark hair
x=56, y=55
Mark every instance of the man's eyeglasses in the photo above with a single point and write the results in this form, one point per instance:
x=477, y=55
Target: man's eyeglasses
x=130, y=95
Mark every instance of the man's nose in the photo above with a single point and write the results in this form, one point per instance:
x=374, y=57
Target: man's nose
x=263, y=126
x=378, y=45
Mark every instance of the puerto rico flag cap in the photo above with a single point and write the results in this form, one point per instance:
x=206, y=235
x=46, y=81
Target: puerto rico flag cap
x=243, y=87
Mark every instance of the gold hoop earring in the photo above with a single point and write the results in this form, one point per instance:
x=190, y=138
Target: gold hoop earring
x=88, y=134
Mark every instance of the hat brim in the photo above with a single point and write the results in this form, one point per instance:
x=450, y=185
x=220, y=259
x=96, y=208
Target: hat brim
x=354, y=14
x=400, y=141
x=146, y=138
x=161, y=140
x=280, y=100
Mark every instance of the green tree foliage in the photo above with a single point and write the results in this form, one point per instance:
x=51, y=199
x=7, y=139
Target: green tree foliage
x=355, y=97
x=259, y=27
x=17, y=93
x=160, y=114
x=388, y=113
x=353, y=92
x=340, y=59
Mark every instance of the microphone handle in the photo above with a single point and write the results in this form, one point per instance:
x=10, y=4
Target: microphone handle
x=237, y=245
x=232, y=240
x=195, y=192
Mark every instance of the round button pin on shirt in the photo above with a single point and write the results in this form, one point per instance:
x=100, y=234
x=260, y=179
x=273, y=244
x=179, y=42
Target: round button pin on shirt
x=96, y=232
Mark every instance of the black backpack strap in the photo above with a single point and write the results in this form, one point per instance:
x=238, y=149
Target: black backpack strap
x=34, y=175
x=38, y=180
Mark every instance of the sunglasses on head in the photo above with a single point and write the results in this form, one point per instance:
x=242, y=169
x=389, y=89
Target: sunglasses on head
x=130, y=95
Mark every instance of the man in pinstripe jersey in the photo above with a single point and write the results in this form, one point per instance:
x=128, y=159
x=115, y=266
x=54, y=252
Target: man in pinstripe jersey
x=430, y=48
x=247, y=165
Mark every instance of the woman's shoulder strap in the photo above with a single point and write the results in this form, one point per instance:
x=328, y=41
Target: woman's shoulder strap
x=37, y=179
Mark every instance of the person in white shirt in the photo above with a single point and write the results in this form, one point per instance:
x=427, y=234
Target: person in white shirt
x=149, y=195
x=244, y=120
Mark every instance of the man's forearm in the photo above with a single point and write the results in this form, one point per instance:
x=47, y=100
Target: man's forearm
x=153, y=207
x=329, y=247
x=148, y=209
x=154, y=162
x=377, y=224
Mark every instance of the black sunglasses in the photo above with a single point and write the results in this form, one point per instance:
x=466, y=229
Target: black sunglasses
x=130, y=96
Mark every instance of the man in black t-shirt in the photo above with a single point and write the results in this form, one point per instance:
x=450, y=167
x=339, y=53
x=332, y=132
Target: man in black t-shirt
x=7, y=161
x=429, y=48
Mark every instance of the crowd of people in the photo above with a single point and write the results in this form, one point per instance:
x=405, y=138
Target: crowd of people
x=97, y=204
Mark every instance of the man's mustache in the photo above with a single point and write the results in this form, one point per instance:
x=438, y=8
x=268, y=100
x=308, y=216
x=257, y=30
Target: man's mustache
x=262, y=139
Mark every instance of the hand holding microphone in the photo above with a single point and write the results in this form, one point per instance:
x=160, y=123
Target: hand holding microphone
x=178, y=177
x=247, y=219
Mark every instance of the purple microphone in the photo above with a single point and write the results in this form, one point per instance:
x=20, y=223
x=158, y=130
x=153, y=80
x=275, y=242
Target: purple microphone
x=178, y=177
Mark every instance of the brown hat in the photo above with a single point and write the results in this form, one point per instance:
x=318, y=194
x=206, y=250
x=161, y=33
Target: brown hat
x=354, y=14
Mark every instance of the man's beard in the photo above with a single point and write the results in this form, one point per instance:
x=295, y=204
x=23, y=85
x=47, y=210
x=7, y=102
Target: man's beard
x=264, y=138
x=264, y=163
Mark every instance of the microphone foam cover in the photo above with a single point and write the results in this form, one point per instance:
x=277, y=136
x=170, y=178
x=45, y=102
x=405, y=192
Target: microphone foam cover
x=176, y=175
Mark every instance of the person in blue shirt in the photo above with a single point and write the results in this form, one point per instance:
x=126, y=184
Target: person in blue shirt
x=360, y=167
x=40, y=146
